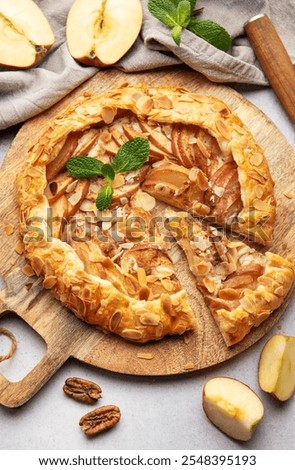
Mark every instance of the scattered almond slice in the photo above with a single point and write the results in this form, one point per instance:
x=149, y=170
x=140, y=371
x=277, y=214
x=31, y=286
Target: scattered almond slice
x=147, y=356
x=9, y=229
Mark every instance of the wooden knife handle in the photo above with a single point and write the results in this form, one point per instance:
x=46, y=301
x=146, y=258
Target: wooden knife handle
x=274, y=60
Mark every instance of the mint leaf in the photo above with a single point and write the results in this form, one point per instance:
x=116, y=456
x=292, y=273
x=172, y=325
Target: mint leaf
x=210, y=32
x=104, y=198
x=192, y=4
x=132, y=155
x=84, y=167
x=108, y=172
x=164, y=11
x=176, y=34
x=183, y=13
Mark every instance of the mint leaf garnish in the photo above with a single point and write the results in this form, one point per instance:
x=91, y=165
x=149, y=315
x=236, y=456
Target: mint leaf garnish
x=164, y=11
x=108, y=172
x=210, y=32
x=84, y=167
x=104, y=198
x=178, y=14
x=132, y=155
x=176, y=34
x=183, y=13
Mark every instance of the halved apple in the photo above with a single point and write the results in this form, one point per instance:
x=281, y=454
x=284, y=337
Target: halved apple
x=276, y=371
x=25, y=34
x=100, y=32
x=232, y=407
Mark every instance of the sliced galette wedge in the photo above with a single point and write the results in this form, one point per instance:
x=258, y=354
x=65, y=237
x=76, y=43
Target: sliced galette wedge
x=240, y=285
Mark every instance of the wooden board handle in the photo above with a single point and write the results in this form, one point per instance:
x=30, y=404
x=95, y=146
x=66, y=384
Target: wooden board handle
x=274, y=60
x=14, y=394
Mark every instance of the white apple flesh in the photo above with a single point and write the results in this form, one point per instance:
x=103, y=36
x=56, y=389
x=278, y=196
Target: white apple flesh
x=276, y=371
x=25, y=34
x=232, y=407
x=100, y=32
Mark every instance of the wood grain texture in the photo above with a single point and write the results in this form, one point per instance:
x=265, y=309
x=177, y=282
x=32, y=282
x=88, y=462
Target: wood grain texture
x=67, y=336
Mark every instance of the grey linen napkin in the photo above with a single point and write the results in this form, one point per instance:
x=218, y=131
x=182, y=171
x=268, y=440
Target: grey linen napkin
x=24, y=94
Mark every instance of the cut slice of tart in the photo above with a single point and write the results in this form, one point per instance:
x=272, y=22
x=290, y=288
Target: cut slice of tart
x=240, y=285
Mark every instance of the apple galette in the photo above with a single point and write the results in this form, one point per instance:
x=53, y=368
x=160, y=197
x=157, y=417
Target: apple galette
x=94, y=237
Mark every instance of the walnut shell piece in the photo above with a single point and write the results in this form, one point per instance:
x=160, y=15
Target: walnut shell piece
x=82, y=390
x=100, y=419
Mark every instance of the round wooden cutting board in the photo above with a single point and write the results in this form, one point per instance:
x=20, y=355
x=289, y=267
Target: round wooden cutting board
x=67, y=336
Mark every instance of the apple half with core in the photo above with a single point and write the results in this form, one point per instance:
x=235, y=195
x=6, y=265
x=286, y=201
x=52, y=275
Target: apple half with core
x=232, y=407
x=276, y=371
x=100, y=32
x=25, y=34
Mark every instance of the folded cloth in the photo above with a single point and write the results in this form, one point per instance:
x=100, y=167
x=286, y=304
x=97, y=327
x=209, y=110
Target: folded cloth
x=24, y=94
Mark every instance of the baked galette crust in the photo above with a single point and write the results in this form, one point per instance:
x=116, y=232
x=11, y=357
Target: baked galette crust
x=193, y=124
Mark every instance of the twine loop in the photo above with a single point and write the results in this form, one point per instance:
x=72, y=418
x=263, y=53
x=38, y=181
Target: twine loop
x=5, y=332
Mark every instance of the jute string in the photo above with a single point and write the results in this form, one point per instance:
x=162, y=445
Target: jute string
x=5, y=332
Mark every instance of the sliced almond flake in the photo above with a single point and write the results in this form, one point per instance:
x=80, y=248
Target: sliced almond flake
x=248, y=305
x=19, y=247
x=131, y=334
x=105, y=136
x=164, y=102
x=203, y=149
x=162, y=271
x=257, y=176
x=260, y=205
x=144, y=104
x=28, y=270
x=124, y=200
x=223, y=129
x=92, y=110
x=9, y=229
x=87, y=206
x=189, y=366
x=151, y=278
x=106, y=225
x=144, y=200
x=147, y=356
x=167, y=284
x=108, y=114
x=149, y=319
x=259, y=190
x=76, y=196
x=72, y=186
x=256, y=159
x=288, y=195
x=34, y=172
x=49, y=282
x=127, y=246
x=210, y=284
x=141, y=275
x=118, y=181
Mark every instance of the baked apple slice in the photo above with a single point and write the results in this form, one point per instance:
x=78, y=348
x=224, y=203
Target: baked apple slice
x=232, y=407
x=25, y=34
x=100, y=32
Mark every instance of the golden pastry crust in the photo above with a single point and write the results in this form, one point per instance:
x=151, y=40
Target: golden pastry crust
x=241, y=286
x=99, y=301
